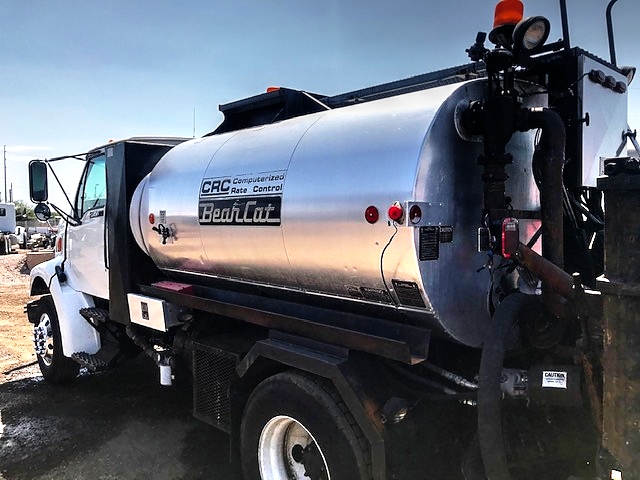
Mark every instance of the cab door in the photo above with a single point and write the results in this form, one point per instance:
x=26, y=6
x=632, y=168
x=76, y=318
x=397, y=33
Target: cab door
x=87, y=262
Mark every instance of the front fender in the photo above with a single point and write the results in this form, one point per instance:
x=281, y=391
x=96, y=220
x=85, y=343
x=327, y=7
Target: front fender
x=77, y=334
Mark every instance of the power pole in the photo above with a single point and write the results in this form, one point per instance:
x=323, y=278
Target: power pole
x=5, y=170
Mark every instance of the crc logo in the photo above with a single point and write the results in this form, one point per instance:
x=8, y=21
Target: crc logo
x=215, y=186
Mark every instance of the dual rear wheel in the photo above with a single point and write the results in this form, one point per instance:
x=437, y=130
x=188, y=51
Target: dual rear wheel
x=296, y=427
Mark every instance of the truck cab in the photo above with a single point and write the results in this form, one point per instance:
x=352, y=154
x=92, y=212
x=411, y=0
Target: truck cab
x=86, y=253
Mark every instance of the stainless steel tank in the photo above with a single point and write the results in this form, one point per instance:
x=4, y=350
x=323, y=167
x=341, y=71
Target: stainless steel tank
x=288, y=205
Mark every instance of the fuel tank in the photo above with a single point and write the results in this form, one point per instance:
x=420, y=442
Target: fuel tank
x=304, y=205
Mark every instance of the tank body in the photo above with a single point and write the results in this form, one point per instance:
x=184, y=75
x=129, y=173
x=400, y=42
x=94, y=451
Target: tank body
x=285, y=205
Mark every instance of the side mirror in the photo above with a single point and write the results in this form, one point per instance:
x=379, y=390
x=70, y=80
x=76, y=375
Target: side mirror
x=42, y=211
x=38, y=189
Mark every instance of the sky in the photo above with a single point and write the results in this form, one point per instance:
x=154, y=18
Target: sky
x=78, y=73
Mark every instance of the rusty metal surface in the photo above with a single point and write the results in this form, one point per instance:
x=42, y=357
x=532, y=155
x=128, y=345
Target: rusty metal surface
x=621, y=311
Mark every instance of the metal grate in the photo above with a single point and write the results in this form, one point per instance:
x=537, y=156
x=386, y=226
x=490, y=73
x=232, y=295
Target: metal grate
x=213, y=371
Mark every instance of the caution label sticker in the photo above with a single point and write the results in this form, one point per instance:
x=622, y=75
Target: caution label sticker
x=554, y=379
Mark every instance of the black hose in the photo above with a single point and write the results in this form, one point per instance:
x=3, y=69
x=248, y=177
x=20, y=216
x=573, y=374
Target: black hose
x=490, y=434
x=140, y=341
x=549, y=155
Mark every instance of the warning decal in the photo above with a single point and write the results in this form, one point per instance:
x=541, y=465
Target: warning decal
x=554, y=379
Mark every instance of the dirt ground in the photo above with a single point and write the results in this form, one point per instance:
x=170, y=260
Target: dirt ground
x=16, y=345
x=115, y=425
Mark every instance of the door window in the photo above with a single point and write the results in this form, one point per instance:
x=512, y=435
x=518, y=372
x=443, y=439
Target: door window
x=93, y=188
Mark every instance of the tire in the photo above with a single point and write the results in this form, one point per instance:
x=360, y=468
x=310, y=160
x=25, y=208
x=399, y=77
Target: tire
x=3, y=245
x=55, y=367
x=295, y=426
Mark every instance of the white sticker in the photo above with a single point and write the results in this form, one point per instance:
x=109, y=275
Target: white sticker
x=554, y=379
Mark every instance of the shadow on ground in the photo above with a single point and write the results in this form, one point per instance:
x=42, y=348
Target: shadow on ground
x=119, y=424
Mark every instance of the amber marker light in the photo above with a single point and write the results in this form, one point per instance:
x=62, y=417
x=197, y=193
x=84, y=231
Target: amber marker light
x=508, y=12
x=507, y=15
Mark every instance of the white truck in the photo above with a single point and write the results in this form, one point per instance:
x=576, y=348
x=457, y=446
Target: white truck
x=331, y=269
x=8, y=229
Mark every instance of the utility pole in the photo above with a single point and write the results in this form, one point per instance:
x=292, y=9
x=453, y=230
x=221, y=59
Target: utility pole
x=5, y=170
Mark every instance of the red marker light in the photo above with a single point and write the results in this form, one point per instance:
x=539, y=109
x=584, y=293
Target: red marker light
x=272, y=89
x=510, y=236
x=371, y=214
x=59, y=244
x=396, y=212
x=415, y=214
x=152, y=218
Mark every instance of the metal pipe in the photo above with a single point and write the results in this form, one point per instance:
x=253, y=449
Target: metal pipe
x=550, y=153
x=612, y=45
x=565, y=24
x=556, y=279
x=452, y=377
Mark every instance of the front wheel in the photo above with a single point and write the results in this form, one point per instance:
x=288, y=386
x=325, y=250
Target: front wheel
x=295, y=427
x=55, y=367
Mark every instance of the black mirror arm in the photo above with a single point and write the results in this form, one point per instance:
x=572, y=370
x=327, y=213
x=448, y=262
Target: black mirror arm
x=74, y=221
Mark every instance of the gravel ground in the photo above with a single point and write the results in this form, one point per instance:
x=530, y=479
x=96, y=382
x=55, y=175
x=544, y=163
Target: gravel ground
x=16, y=347
x=119, y=424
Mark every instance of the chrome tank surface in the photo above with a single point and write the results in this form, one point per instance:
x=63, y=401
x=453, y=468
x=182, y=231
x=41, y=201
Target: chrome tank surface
x=284, y=205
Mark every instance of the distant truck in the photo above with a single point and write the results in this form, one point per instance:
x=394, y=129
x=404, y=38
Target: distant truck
x=8, y=236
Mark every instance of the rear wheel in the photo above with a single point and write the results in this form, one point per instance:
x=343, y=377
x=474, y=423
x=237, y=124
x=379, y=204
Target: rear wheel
x=55, y=367
x=295, y=427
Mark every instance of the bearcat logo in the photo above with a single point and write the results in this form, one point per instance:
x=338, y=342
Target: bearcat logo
x=258, y=211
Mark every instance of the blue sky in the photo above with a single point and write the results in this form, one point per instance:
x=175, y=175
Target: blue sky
x=77, y=73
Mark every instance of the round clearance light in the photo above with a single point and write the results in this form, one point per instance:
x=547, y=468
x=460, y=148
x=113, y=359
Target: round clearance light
x=371, y=214
x=396, y=212
x=620, y=87
x=597, y=76
x=610, y=82
x=415, y=214
x=152, y=218
x=531, y=34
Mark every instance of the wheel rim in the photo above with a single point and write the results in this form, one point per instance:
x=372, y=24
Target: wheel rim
x=43, y=339
x=288, y=451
